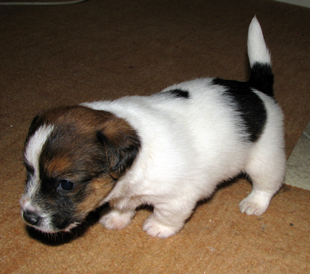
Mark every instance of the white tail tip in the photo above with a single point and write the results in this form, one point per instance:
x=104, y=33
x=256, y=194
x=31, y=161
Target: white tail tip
x=257, y=49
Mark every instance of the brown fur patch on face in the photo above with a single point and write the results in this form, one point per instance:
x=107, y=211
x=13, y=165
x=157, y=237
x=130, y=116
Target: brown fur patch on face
x=81, y=118
x=97, y=190
x=82, y=126
x=57, y=166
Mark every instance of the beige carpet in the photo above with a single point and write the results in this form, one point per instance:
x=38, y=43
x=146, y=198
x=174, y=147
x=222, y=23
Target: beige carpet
x=51, y=56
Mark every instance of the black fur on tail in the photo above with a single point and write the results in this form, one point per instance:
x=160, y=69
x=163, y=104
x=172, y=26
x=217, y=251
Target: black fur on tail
x=262, y=78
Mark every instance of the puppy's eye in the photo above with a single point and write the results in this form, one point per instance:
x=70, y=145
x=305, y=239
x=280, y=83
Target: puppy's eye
x=66, y=185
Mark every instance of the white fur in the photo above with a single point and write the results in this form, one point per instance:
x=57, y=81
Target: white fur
x=188, y=147
x=32, y=154
x=257, y=50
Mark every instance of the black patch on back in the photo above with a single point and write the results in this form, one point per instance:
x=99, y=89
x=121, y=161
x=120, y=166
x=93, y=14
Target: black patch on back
x=250, y=107
x=178, y=93
x=262, y=78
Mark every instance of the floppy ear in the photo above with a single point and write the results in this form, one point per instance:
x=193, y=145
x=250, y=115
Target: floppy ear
x=122, y=145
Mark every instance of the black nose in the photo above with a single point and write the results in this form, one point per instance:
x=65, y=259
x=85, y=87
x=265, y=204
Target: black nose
x=31, y=217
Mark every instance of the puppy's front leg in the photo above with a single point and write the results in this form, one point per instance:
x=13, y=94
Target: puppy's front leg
x=166, y=221
x=117, y=219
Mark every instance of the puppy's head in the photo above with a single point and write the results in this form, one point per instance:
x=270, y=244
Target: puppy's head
x=73, y=157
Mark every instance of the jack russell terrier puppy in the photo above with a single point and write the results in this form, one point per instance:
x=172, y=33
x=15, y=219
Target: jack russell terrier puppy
x=168, y=150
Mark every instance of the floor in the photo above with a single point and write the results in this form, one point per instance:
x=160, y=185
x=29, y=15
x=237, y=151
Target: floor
x=298, y=164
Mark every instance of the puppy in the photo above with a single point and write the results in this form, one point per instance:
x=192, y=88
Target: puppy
x=168, y=150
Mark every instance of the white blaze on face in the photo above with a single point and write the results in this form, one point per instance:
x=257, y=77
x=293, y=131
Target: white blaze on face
x=32, y=155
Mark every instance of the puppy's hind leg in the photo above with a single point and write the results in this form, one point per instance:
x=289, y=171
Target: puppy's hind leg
x=266, y=169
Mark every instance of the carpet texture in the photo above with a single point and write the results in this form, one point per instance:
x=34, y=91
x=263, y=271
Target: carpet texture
x=64, y=55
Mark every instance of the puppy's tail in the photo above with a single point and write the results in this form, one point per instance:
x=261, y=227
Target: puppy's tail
x=261, y=77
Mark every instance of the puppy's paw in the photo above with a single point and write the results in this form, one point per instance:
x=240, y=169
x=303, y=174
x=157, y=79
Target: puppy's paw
x=156, y=229
x=256, y=203
x=116, y=219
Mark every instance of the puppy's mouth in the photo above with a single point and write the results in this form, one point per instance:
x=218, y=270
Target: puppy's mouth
x=44, y=223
